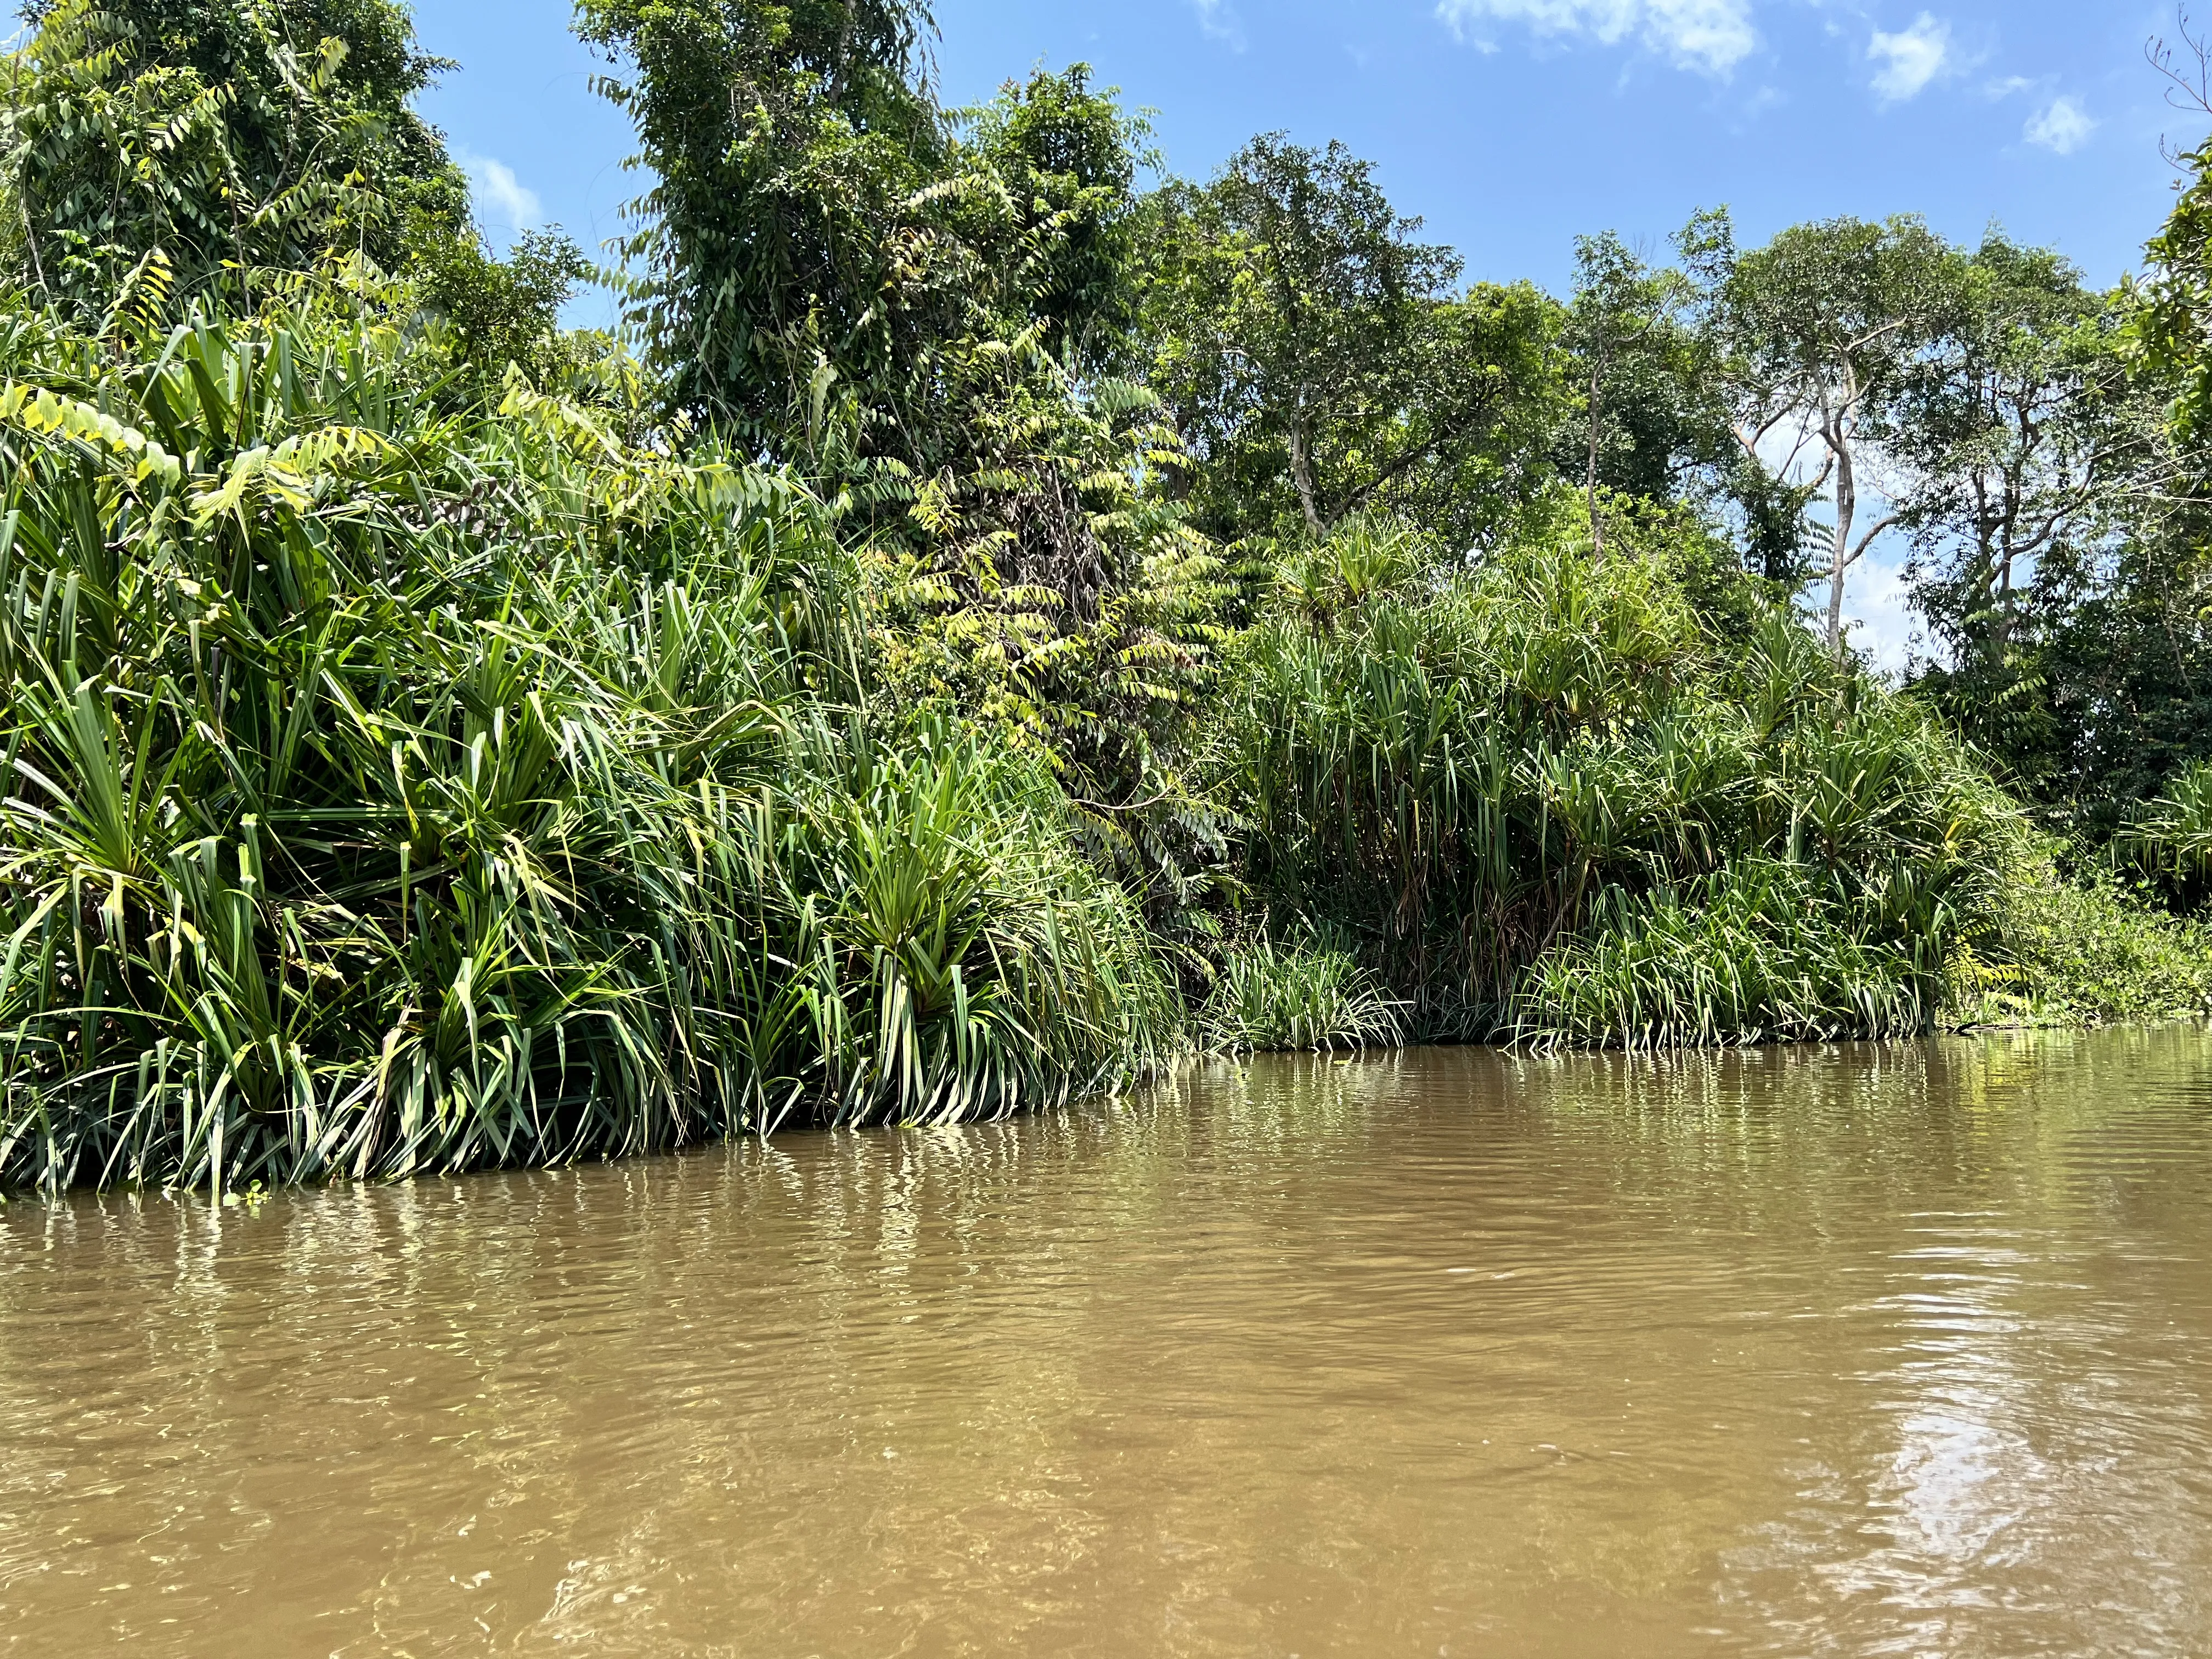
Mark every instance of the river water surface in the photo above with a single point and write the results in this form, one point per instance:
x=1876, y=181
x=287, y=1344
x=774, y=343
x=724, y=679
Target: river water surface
x=1900, y=1349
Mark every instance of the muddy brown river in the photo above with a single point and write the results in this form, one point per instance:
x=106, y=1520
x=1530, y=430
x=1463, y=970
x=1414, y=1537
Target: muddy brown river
x=1900, y=1349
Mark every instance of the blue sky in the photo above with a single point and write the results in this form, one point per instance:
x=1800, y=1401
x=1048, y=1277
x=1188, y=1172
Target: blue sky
x=1509, y=125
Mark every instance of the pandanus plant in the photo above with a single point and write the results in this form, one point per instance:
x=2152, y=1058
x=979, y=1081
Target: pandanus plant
x=1549, y=804
x=399, y=784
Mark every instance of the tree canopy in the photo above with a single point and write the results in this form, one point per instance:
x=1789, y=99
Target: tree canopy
x=1318, y=361
x=212, y=143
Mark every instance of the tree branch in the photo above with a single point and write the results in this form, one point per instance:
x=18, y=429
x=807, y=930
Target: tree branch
x=1866, y=540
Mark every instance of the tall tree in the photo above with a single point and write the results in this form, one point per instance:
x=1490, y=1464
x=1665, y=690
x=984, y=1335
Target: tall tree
x=2173, y=323
x=1316, y=358
x=1818, y=327
x=1653, y=425
x=200, y=142
x=1617, y=308
x=820, y=235
x=2120, y=612
x=1656, y=420
x=2012, y=431
x=786, y=145
x=1055, y=163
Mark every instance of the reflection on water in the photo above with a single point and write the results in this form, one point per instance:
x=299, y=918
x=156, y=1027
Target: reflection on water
x=1900, y=1349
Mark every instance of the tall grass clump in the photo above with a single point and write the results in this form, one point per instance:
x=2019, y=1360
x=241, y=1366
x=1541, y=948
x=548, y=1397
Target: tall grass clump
x=2170, y=836
x=952, y=951
x=401, y=783
x=1752, y=953
x=1297, y=995
x=1551, y=797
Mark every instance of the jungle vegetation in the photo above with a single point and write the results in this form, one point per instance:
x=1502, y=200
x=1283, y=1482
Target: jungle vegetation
x=996, y=617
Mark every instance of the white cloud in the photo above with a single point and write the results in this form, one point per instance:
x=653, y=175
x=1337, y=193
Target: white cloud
x=1910, y=59
x=1218, y=22
x=1712, y=36
x=503, y=198
x=2062, y=125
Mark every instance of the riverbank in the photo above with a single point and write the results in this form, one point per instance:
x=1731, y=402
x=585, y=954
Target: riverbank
x=439, y=740
x=583, y=811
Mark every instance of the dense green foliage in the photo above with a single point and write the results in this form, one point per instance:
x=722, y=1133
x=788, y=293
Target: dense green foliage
x=228, y=141
x=1297, y=994
x=1016, y=620
x=402, y=791
x=1317, y=364
x=1549, y=797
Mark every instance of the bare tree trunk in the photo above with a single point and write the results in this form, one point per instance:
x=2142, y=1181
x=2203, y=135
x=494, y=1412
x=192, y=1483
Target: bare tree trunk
x=1847, y=503
x=1597, y=527
x=2004, y=627
x=1302, y=471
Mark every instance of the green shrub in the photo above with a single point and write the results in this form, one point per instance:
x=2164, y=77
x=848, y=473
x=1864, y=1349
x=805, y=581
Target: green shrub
x=1756, y=952
x=2083, y=952
x=2171, y=836
x=1521, y=789
x=1272, y=996
x=404, y=790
